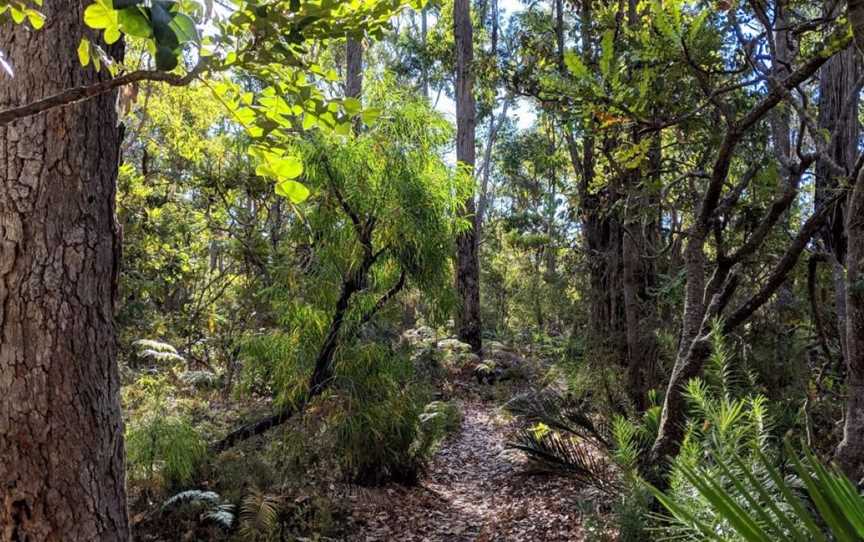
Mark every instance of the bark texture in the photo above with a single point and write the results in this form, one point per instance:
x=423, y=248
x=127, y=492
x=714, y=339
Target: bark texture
x=467, y=262
x=850, y=453
x=61, y=432
x=838, y=114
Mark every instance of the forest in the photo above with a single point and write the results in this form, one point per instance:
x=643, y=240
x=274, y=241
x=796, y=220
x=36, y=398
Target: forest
x=431, y=270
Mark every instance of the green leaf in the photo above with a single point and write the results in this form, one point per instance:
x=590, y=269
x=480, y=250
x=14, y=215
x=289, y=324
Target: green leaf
x=37, y=20
x=184, y=27
x=99, y=16
x=165, y=35
x=18, y=16
x=134, y=23
x=607, y=52
x=279, y=167
x=84, y=52
x=159, y=15
x=370, y=115
x=575, y=64
x=294, y=191
x=166, y=60
x=352, y=106
x=112, y=34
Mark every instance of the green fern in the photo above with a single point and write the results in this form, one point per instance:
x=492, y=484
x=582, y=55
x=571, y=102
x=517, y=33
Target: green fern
x=259, y=515
x=207, y=504
x=156, y=346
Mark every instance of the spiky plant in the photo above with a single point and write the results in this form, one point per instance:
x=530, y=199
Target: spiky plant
x=750, y=510
x=564, y=438
x=560, y=414
x=728, y=439
x=566, y=454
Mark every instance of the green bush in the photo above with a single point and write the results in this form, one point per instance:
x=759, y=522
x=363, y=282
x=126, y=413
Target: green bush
x=163, y=446
x=378, y=428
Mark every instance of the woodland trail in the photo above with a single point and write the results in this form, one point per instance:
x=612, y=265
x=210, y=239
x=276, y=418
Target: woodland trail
x=472, y=492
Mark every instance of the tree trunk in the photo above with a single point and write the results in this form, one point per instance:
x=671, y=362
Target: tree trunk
x=838, y=115
x=354, y=68
x=850, y=453
x=467, y=262
x=61, y=431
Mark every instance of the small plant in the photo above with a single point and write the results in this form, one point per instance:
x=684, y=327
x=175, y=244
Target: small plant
x=163, y=445
x=205, y=507
x=259, y=515
x=563, y=438
x=199, y=379
x=156, y=351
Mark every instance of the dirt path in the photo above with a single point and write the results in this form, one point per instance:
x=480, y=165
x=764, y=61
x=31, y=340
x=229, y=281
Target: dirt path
x=473, y=492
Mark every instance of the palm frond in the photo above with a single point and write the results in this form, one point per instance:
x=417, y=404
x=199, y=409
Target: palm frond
x=563, y=454
x=561, y=414
x=758, y=508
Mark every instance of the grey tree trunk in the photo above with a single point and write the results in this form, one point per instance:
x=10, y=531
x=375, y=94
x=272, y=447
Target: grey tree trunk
x=61, y=432
x=467, y=263
x=838, y=114
x=850, y=453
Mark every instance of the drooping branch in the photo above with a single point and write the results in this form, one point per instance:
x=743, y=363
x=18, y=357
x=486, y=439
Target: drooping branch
x=77, y=94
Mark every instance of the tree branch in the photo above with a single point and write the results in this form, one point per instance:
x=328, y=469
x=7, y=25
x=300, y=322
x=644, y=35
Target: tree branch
x=77, y=94
x=782, y=269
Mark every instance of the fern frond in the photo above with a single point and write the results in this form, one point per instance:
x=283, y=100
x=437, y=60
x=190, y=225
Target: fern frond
x=223, y=516
x=192, y=496
x=259, y=514
x=162, y=357
x=157, y=346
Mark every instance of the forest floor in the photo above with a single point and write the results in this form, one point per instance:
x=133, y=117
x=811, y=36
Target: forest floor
x=474, y=491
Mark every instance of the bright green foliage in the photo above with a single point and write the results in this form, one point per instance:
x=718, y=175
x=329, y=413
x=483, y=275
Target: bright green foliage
x=388, y=180
x=728, y=440
x=182, y=183
x=380, y=431
x=23, y=10
x=756, y=509
x=391, y=176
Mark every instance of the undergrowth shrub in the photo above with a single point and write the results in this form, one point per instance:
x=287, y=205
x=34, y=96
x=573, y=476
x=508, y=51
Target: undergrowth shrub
x=162, y=446
x=729, y=430
x=382, y=427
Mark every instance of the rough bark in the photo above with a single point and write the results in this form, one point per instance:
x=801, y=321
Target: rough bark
x=850, y=452
x=838, y=114
x=61, y=432
x=467, y=261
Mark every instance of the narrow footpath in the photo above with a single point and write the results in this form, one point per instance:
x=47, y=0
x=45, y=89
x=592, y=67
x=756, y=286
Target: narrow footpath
x=474, y=491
